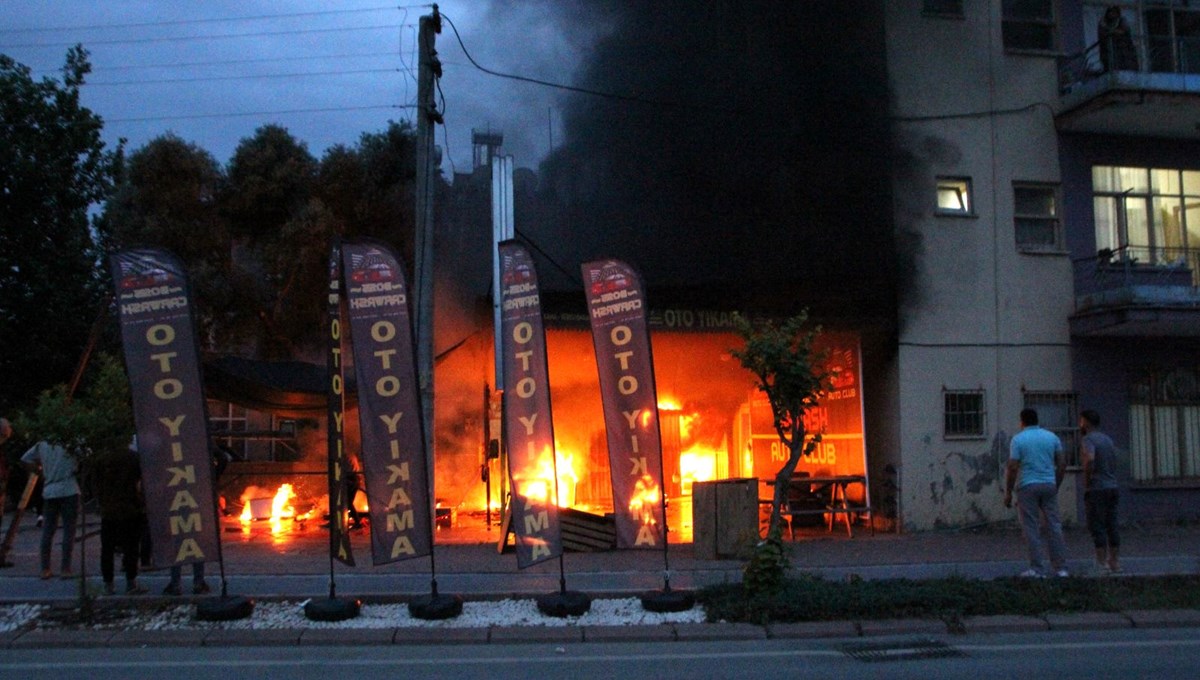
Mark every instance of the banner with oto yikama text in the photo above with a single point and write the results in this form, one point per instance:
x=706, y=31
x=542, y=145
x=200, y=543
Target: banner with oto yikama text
x=339, y=538
x=389, y=412
x=617, y=310
x=527, y=420
x=161, y=358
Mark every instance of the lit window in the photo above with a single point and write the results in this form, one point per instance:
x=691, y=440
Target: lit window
x=1148, y=215
x=943, y=8
x=1035, y=217
x=964, y=414
x=1028, y=25
x=954, y=196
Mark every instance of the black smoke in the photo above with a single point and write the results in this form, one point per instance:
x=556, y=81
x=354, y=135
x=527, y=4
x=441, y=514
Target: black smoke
x=743, y=164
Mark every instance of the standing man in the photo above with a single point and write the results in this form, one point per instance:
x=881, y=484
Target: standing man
x=1099, y=457
x=1035, y=469
x=60, y=494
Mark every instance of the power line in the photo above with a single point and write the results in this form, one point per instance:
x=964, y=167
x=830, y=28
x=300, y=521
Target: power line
x=192, y=22
x=557, y=86
x=200, y=79
x=217, y=36
x=335, y=109
x=217, y=62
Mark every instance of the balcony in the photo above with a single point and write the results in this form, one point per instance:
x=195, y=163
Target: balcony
x=1152, y=90
x=1138, y=291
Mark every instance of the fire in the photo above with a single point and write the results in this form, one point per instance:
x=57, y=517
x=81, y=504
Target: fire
x=280, y=504
x=646, y=500
x=538, y=487
x=696, y=465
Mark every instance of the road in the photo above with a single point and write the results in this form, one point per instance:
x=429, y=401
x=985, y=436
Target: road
x=1161, y=654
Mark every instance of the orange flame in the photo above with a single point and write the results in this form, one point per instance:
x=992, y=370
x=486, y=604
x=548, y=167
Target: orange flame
x=538, y=487
x=646, y=500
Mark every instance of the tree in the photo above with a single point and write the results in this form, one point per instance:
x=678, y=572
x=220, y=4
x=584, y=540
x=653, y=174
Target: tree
x=53, y=168
x=792, y=375
x=167, y=196
x=271, y=178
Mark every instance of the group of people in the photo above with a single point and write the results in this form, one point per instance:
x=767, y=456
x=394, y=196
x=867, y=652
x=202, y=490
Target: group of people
x=1035, y=470
x=116, y=478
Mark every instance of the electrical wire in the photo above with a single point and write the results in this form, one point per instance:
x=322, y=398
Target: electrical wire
x=200, y=79
x=557, y=86
x=217, y=36
x=335, y=109
x=96, y=69
x=192, y=22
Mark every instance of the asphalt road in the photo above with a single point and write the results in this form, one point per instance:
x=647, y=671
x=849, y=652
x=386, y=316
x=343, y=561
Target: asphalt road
x=1162, y=654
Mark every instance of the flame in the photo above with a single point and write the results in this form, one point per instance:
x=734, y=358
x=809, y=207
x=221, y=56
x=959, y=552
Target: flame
x=646, y=500
x=281, y=507
x=537, y=487
x=696, y=465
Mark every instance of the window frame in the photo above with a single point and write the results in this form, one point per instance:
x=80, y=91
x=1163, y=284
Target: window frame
x=962, y=414
x=963, y=183
x=1067, y=433
x=1051, y=21
x=1152, y=410
x=1055, y=218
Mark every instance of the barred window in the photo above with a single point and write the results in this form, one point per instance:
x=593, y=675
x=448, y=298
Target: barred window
x=964, y=414
x=1164, y=426
x=1058, y=412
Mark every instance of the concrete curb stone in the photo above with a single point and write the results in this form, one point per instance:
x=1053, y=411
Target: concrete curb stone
x=59, y=639
x=158, y=638
x=440, y=636
x=659, y=633
x=1003, y=623
x=1088, y=621
x=241, y=637
x=1164, y=618
x=691, y=632
x=536, y=634
x=347, y=636
x=812, y=629
x=902, y=627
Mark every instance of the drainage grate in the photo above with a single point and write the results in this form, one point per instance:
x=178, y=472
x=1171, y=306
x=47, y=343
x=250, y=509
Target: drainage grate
x=900, y=650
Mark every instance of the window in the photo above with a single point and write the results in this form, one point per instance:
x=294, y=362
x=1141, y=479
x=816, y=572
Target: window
x=227, y=419
x=964, y=414
x=1148, y=215
x=1058, y=413
x=1164, y=426
x=954, y=196
x=1035, y=217
x=1028, y=25
x=943, y=8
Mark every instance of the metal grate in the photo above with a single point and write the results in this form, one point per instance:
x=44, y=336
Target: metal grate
x=900, y=650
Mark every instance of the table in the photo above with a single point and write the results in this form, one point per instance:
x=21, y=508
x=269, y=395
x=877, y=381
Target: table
x=838, y=501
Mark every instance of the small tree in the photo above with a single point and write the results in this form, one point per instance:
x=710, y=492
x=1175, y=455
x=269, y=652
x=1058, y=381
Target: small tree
x=792, y=374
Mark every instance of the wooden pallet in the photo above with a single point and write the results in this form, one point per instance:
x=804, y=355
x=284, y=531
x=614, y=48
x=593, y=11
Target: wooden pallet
x=585, y=532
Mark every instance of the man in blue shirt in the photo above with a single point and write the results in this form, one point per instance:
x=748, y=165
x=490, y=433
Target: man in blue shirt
x=1035, y=469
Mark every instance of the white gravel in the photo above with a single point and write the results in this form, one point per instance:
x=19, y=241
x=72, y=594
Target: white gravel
x=604, y=612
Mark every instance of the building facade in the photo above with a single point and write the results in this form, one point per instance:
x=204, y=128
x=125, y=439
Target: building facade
x=1047, y=168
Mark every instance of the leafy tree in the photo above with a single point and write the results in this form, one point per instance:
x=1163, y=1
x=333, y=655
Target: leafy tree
x=792, y=375
x=271, y=177
x=53, y=168
x=167, y=196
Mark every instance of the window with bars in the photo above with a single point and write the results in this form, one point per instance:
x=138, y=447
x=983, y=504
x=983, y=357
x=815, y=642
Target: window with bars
x=1164, y=426
x=1058, y=412
x=964, y=414
x=224, y=417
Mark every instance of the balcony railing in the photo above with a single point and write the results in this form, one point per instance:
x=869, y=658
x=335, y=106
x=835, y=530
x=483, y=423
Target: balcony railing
x=1148, y=54
x=1138, y=275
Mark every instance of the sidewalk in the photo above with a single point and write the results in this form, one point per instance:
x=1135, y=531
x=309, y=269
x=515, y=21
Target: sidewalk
x=295, y=563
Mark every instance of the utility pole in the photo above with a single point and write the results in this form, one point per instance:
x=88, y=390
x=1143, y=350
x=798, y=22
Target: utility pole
x=428, y=69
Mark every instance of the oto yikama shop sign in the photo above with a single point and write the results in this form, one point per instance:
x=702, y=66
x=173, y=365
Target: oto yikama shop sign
x=161, y=358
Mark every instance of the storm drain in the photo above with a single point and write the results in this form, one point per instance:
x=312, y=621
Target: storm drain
x=900, y=650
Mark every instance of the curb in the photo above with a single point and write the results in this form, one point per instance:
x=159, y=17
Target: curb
x=563, y=635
